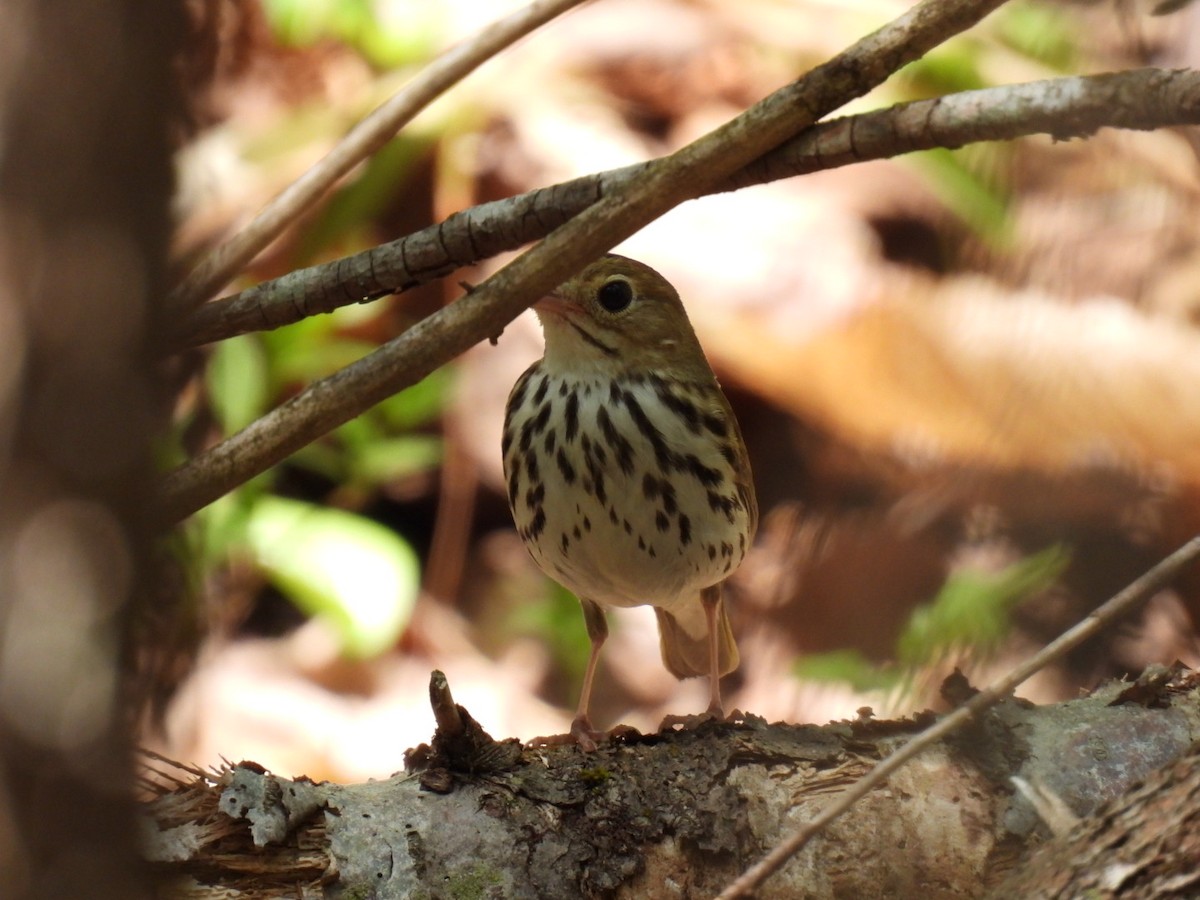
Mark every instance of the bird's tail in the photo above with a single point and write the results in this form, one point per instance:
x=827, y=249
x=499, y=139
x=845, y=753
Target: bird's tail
x=683, y=638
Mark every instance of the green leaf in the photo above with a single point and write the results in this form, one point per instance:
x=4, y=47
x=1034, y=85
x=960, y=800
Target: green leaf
x=420, y=404
x=366, y=197
x=405, y=32
x=220, y=527
x=356, y=574
x=391, y=458
x=303, y=22
x=1041, y=32
x=409, y=31
x=557, y=619
x=948, y=69
x=848, y=666
x=309, y=350
x=323, y=458
x=982, y=205
x=236, y=379
x=973, y=609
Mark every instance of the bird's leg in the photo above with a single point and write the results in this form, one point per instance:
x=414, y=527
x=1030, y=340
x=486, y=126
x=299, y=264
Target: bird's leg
x=582, y=733
x=710, y=597
x=597, y=629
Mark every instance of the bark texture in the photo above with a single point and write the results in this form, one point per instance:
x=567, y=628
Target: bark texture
x=677, y=814
x=1145, y=844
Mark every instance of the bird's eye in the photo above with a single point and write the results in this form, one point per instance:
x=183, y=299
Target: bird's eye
x=615, y=295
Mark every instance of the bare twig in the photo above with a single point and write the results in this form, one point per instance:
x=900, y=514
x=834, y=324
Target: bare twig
x=1062, y=107
x=1122, y=604
x=226, y=260
x=485, y=311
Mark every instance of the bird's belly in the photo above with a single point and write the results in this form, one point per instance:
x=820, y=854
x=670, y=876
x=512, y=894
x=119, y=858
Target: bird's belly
x=616, y=554
x=604, y=511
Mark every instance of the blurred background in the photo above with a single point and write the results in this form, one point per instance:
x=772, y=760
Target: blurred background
x=967, y=380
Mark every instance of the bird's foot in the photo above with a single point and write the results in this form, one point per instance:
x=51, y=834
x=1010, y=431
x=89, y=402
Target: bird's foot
x=714, y=713
x=582, y=734
x=687, y=723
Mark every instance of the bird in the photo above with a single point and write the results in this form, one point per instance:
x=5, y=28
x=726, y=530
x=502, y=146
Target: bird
x=626, y=472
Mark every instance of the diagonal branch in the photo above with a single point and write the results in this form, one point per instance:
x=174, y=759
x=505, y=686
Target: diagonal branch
x=1104, y=616
x=226, y=260
x=1061, y=107
x=485, y=311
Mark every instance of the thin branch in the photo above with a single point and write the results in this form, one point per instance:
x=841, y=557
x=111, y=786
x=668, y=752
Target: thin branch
x=1061, y=107
x=485, y=311
x=1064, y=108
x=1104, y=616
x=226, y=260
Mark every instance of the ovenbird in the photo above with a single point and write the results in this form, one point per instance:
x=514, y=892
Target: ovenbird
x=627, y=476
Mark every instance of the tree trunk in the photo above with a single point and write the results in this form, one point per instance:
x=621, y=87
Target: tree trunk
x=85, y=190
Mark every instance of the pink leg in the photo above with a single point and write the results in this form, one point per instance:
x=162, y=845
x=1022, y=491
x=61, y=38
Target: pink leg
x=597, y=628
x=710, y=597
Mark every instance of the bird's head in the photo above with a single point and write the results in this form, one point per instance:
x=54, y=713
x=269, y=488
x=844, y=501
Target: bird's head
x=615, y=317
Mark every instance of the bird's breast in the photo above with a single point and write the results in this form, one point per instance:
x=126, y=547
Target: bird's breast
x=626, y=490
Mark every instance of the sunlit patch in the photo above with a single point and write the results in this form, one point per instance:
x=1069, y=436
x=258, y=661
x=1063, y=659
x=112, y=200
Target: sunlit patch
x=70, y=572
x=352, y=572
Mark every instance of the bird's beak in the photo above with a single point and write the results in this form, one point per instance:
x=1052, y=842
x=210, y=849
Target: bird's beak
x=555, y=304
